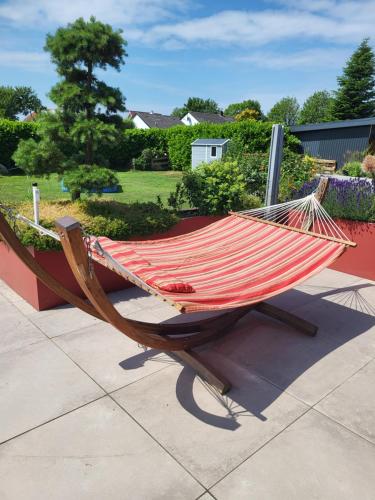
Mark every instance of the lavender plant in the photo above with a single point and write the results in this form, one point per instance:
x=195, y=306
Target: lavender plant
x=354, y=199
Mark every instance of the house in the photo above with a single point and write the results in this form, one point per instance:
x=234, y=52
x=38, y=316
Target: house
x=143, y=120
x=207, y=150
x=334, y=140
x=195, y=117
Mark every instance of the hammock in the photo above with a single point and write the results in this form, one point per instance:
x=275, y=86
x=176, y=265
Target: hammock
x=243, y=259
x=233, y=264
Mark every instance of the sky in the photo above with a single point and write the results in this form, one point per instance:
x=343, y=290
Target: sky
x=225, y=50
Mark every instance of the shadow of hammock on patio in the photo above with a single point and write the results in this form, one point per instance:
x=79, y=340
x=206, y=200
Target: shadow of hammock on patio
x=263, y=358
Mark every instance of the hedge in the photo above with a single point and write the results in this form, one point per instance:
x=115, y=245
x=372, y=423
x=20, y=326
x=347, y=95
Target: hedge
x=175, y=141
x=11, y=132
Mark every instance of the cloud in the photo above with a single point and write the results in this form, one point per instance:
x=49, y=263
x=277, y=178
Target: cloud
x=340, y=22
x=35, y=61
x=308, y=59
x=57, y=12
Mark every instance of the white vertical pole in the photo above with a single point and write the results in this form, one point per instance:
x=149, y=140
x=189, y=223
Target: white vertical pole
x=36, y=199
x=274, y=164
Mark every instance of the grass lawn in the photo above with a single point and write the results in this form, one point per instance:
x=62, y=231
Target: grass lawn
x=136, y=185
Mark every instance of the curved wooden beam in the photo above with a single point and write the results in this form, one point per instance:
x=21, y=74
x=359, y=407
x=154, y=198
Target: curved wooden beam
x=10, y=238
x=157, y=336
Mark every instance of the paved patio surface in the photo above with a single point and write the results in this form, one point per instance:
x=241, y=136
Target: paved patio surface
x=85, y=413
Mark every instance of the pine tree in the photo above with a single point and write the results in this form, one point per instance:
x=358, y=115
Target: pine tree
x=355, y=97
x=72, y=137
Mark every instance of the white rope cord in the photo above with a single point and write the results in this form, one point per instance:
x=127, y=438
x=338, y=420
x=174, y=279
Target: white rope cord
x=305, y=213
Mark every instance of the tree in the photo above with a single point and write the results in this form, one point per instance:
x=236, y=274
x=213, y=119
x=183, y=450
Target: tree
x=18, y=101
x=317, y=108
x=87, y=109
x=197, y=104
x=236, y=108
x=355, y=97
x=285, y=111
x=247, y=114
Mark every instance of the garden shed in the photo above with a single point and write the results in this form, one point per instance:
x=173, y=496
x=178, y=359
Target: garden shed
x=207, y=150
x=334, y=140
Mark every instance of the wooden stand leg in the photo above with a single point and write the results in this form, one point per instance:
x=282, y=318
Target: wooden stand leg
x=287, y=318
x=206, y=371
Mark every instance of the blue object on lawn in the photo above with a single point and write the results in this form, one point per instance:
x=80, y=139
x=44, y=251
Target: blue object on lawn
x=108, y=189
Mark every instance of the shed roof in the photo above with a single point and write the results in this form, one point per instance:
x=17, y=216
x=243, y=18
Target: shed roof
x=209, y=142
x=157, y=120
x=361, y=122
x=211, y=117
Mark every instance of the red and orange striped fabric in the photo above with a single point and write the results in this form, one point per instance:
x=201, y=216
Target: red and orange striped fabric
x=230, y=263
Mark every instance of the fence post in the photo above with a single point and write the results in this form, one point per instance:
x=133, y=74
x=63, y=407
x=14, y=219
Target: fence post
x=36, y=199
x=274, y=164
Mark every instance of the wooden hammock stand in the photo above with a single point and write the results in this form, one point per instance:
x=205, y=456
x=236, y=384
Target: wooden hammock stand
x=180, y=339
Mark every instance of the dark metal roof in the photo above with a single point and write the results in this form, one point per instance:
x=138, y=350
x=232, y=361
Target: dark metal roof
x=211, y=117
x=157, y=120
x=361, y=122
x=209, y=142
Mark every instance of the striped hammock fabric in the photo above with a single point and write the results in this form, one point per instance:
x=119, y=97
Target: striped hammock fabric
x=231, y=263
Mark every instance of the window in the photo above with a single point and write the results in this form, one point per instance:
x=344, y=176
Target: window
x=213, y=150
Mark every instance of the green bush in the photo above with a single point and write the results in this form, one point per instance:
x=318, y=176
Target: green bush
x=118, y=221
x=11, y=132
x=38, y=158
x=218, y=187
x=88, y=179
x=296, y=169
x=352, y=169
x=144, y=161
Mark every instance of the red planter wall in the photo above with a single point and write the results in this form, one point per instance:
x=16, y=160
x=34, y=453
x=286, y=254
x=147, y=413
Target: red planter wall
x=24, y=282
x=358, y=261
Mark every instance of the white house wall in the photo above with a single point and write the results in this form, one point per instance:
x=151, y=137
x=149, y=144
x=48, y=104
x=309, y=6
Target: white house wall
x=139, y=123
x=189, y=119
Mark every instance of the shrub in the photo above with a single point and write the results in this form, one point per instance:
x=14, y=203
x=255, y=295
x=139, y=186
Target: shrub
x=11, y=132
x=296, y=169
x=352, y=169
x=38, y=158
x=217, y=187
x=89, y=179
x=118, y=221
x=145, y=160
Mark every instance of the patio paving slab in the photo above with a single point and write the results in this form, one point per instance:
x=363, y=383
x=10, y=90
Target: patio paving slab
x=37, y=383
x=353, y=403
x=63, y=319
x=208, y=433
x=16, y=330
x=109, y=357
x=96, y=452
x=306, y=367
x=315, y=458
